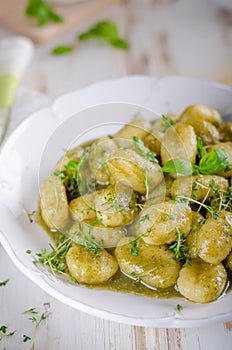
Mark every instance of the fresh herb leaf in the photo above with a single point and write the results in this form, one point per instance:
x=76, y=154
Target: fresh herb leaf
x=139, y=146
x=105, y=31
x=144, y=218
x=55, y=260
x=214, y=212
x=119, y=43
x=42, y=11
x=89, y=243
x=179, y=308
x=135, y=244
x=167, y=122
x=26, y=338
x=72, y=178
x=4, y=283
x=201, y=150
x=3, y=332
x=214, y=162
x=178, y=247
x=37, y=321
x=179, y=166
x=62, y=50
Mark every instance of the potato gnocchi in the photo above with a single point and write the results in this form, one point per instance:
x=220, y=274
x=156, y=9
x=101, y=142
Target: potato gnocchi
x=150, y=205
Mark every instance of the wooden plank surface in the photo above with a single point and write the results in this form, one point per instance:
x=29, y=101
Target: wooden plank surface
x=12, y=17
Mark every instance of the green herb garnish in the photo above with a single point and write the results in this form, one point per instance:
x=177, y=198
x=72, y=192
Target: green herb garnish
x=62, y=50
x=72, y=178
x=178, y=247
x=167, y=122
x=135, y=244
x=214, y=162
x=42, y=11
x=26, y=338
x=211, y=163
x=37, y=321
x=55, y=260
x=139, y=146
x=201, y=149
x=106, y=32
x=179, y=308
x=4, y=283
x=4, y=333
x=178, y=166
x=89, y=243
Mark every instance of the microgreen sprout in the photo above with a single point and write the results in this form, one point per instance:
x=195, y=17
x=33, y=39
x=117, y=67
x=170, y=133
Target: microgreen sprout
x=178, y=247
x=36, y=319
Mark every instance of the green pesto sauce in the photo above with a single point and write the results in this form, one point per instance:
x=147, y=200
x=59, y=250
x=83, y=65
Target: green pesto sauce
x=119, y=282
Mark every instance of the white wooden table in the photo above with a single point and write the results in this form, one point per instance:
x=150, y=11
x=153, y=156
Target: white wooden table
x=184, y=37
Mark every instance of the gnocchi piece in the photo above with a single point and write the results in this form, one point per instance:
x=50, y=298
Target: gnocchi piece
x=53, y=203
x=199, y=187
x=214, y=240
x=162, y=190
x=208, y=133
x=100, y=151
x=82, y=208
x=201, y=112
x=191, y=240
x=115, y=205
x=139, y=173
x=153, y=142
x=153, y=265
x=225, y=131
x=106, y=237
x=201, y=282
x=90, y=268
x=180, y=142
x=158, y=224
x=73, y=154
x=227, y=148
x=137, y=127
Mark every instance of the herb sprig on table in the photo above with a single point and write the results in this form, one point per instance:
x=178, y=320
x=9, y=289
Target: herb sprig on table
x=104, y=32
x=42, y=11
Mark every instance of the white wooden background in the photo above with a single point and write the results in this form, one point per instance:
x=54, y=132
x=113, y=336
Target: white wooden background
x=184, y=37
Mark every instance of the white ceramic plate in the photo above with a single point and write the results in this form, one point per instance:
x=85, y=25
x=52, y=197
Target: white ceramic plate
x=33, y=148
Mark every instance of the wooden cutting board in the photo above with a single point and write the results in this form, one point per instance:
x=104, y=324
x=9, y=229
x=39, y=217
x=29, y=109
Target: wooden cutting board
x=12, y=17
